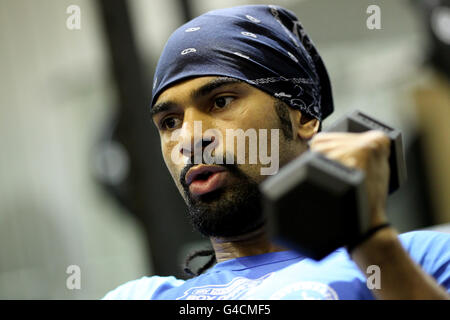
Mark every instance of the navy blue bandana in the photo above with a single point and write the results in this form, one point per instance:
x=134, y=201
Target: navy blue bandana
x=264, y=46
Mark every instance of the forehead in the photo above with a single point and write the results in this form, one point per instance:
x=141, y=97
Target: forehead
x=184, y=87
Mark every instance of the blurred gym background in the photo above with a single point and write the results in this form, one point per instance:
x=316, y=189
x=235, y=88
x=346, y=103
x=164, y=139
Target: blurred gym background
x=82, y=181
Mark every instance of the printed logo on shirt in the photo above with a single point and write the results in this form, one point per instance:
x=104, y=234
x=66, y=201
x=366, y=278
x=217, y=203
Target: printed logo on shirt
x=305, y=290
x=233, y=290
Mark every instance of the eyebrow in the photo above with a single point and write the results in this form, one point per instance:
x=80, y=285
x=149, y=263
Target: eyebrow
x=196, y=94
x=162, y=107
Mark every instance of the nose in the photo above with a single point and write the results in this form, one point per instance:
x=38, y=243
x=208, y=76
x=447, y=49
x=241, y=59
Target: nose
x=193, y=137
x=194, y=147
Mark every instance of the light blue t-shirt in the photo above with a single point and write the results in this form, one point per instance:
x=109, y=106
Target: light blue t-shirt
x=288, y=275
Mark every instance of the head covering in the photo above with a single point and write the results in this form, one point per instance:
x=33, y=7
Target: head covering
x=263, y=45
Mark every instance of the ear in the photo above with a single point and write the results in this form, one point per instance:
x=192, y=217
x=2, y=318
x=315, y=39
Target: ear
x=306, y=126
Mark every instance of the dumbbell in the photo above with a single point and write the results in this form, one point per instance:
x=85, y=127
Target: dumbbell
x=315, y=205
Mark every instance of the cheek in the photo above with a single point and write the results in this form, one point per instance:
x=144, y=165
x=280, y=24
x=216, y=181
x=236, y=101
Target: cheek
x=253, y=172
x=253, y=120
x=173, y=167
x=256, y=118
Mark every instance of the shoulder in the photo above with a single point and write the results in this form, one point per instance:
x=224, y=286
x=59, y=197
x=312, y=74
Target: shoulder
x=143, y=288
x=425, y=241
x=431, y=250
x=427, y=247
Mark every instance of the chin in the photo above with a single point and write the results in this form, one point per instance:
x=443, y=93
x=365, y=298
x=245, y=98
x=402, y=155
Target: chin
x=227, y=212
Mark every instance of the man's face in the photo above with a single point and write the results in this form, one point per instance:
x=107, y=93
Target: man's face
x=196, y=116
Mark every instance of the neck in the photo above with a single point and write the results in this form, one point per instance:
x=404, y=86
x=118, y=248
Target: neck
x=249, y=244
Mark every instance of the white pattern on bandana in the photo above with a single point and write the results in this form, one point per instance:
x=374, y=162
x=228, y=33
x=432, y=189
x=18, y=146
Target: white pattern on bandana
x=253, y=19
x=188, y=50
x=192, y=29
x=249, y=34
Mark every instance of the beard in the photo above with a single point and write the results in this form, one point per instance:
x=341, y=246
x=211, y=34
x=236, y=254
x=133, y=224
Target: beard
x=229, y=211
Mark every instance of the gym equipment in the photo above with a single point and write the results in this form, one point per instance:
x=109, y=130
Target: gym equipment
x=315, y=205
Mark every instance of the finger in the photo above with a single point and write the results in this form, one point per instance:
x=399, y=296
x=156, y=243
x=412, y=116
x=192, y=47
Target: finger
x=335, y=154
x=345, y=157
x=326, y=145
x=326, y=136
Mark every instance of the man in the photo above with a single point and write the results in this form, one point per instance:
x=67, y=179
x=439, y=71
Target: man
x=253, y=69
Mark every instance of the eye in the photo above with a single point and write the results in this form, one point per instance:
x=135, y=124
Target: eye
x=222, y=102
x=169, y=123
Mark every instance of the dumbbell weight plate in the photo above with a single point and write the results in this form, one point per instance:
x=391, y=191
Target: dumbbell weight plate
x=322, y=213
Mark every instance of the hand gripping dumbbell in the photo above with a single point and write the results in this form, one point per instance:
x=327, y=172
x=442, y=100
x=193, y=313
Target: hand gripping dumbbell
x=315, y=205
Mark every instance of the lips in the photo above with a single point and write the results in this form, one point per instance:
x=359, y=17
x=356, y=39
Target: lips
x=200, y=172
x=203, y=179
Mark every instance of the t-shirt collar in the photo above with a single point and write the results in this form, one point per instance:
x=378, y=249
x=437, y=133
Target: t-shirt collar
x=256, y=260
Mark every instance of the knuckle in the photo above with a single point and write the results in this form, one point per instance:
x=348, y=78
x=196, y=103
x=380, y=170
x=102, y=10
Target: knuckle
x=377, y=141
x=380, y=137
x=318, y=136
